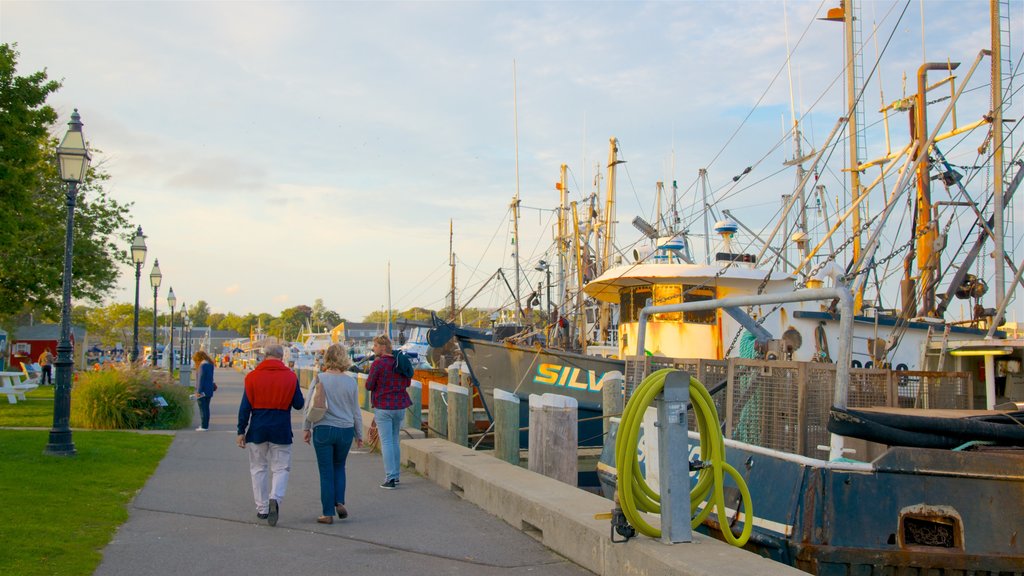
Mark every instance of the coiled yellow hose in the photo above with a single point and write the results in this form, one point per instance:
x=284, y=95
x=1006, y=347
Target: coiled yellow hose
x=634, y=493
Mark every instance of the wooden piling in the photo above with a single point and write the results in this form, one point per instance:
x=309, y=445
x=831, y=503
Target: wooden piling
x=458, y=421
x=437, y=416
x=364, y=394
x=506, y=426
x=612, y=396
x=554, y=437
x=414, y=413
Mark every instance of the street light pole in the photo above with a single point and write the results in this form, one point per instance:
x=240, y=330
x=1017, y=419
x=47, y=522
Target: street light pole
x=184, y=323
x=73, y=162
x=171, y=301
x=155, y=277
x=139, y=257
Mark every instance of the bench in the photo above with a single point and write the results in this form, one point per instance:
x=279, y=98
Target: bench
x=12, y=385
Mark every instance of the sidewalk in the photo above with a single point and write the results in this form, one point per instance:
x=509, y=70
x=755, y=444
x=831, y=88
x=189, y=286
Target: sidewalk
x=196, y=515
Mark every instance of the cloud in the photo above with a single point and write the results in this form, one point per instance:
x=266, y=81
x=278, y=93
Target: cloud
x=232, y=289
x=280, y=298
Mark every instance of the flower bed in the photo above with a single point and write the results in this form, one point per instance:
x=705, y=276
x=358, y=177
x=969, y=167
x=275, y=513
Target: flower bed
x=129, y=398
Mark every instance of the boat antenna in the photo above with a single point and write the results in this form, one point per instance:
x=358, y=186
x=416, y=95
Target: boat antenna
x=451, y=262
x=387, y=315
x=515, y=201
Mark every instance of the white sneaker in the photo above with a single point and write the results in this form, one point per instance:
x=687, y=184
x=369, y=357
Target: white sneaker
x=201, y=429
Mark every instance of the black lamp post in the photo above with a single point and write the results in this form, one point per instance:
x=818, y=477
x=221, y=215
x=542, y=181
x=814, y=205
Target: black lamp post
x=73, y=162
x=155, y=277
x=139, y=258
x=171, y=301
x=184, y=325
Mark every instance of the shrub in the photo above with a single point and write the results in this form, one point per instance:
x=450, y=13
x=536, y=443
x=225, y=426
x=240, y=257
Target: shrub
x=124, y=398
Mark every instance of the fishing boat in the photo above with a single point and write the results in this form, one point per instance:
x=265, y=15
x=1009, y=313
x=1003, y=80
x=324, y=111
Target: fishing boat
x=873, y=439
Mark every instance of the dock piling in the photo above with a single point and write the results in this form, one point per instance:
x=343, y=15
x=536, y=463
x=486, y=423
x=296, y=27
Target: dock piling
x=506, y=426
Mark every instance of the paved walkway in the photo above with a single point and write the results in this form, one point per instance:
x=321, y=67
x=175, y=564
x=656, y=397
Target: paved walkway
x=195, y=515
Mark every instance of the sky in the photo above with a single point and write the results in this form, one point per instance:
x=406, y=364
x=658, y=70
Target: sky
x=280, y=152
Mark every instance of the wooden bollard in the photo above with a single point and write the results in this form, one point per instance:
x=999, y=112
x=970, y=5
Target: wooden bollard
x=364, y=394
x=506, y=426
x=554, y=437
x=414, y=413
x=437, y=417
x=453, y=373
x=466, y=381
x=612, y=396
x=458, y=423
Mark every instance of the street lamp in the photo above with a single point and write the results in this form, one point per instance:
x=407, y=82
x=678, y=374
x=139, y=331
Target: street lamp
x=184, y=324
x=73, y=162
x=139, y=257
x=171, y=301
x=185, y=367
x=155, y=277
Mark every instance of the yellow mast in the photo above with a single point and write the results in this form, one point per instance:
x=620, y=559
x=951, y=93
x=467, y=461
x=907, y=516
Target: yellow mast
x=609, y=228
x=997, y=152
x=563, y=236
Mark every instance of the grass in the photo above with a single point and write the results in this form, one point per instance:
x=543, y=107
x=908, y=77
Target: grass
x=35, y=411
x=58, y=513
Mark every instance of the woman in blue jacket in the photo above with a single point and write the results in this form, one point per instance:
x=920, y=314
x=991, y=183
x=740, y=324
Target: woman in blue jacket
x=204, y=387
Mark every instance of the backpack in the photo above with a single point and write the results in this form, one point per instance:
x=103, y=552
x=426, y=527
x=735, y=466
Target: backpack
x=317, y=408
x=403, y=366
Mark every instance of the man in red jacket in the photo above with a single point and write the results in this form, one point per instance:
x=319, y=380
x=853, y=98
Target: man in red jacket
x=265, y=426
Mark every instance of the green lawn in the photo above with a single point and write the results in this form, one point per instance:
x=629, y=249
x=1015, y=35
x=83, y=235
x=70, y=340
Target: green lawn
x=59, y=512
x=35, y=411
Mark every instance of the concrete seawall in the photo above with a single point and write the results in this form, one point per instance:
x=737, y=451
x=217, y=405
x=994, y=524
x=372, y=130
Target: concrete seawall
x=562, y=517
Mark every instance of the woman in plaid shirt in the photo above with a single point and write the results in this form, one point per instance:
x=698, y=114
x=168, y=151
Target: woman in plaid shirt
x=389, y=400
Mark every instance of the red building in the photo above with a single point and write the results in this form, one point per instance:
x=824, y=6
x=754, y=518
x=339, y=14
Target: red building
x=28, y=342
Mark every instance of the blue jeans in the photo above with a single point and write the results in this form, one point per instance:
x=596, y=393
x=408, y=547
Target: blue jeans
x=331, y=445
x=204, y=411
x=389, y=423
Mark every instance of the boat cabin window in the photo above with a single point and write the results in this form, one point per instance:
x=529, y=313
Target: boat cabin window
x=632, y=300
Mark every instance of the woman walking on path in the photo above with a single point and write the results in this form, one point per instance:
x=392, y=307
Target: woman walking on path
x=389, y=400
x=204, y=387
x=333, y=435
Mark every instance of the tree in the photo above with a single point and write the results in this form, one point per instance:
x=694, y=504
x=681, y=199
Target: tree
x=322, y=318
x=33, y=196
x=215, y=319
x=199, y=313
x=294, y=321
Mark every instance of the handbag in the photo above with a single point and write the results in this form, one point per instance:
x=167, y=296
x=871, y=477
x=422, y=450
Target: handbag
x=317, y=402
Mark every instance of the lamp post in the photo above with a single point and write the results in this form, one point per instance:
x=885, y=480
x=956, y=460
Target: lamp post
x=171, y=301
x=73, y=162
x=155, y=278
x=139, y=258
x=184, y=372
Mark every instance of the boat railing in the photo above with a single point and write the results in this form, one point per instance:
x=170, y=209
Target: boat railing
x=784, y=405
x=637, y=368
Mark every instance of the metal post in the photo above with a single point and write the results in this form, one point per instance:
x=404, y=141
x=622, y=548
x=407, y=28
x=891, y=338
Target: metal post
x=135, y=332
x=673, y=460
x=153, y=352
x=170, y=348
x=61, y=443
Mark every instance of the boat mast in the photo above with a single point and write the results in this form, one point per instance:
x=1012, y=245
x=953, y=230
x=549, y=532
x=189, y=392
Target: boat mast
x=997, y=152
x=563, y=236
x=803, y=246
x=451, y=262
x=515, y=201
x=609, y=227
x=388, y=315
x=703, y=175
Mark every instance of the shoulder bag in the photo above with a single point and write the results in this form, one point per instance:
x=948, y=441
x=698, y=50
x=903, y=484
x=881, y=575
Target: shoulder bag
x=317, y=408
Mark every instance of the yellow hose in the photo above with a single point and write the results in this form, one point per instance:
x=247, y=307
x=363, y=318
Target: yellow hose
x=634, y=493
